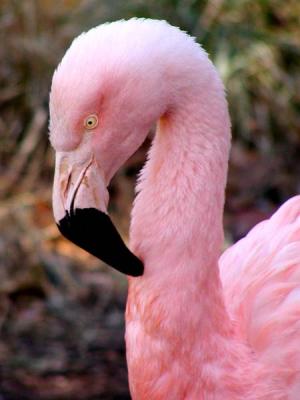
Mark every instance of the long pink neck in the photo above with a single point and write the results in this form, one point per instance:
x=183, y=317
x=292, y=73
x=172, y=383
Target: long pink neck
x=177, y=327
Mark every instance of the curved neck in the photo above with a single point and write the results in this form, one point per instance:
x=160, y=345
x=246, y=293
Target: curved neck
x=181, y=343
x=178, y=211
x=176, y=309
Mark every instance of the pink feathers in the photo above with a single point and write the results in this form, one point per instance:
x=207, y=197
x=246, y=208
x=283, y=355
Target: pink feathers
x=197, y=328
x=261, y=278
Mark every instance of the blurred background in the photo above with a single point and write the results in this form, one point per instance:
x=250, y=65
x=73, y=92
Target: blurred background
x=61, y=311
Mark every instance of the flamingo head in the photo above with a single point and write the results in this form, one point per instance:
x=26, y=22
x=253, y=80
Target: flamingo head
x=106, y=94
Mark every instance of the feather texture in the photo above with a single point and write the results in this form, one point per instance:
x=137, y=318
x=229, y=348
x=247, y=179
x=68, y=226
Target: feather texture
x=261, y=282
x=197, y=327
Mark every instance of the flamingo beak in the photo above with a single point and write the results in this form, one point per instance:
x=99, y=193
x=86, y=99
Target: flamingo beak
x=80, y=201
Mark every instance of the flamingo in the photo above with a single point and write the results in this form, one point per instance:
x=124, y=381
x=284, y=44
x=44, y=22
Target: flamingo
x=199, y=325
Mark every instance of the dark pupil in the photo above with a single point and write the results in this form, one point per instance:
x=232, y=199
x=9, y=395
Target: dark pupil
x=90, y=122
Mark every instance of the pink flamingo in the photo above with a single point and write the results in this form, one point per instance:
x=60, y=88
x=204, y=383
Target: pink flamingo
x=197, y=326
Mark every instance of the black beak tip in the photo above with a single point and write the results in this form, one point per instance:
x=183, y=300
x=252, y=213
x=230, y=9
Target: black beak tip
x=93, y=231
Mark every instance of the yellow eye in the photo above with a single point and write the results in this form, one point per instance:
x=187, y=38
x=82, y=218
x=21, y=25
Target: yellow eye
x=91, y=121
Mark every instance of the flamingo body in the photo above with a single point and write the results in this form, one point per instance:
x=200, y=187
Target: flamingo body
x=197, y=327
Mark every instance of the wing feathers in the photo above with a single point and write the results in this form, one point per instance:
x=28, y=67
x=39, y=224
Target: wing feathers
x=261, y=280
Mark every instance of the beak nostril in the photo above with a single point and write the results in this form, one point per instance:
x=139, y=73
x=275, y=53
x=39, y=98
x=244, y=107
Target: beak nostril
x=76, y=188
x=67, y=186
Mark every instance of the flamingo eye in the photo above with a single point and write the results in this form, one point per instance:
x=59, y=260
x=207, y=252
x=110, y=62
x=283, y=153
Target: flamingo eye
x=91, y=121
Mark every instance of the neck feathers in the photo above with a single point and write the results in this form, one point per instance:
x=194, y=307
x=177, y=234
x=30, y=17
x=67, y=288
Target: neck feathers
x=179, y=206
x=176, y=310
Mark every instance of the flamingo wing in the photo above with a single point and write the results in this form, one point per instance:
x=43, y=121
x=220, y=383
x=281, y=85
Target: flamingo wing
x=261, y=281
